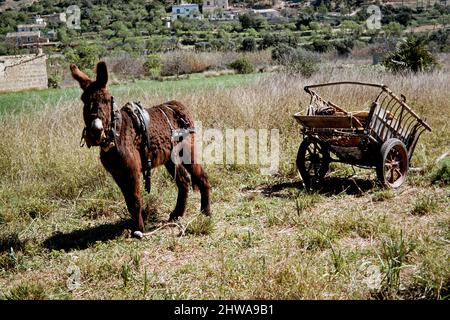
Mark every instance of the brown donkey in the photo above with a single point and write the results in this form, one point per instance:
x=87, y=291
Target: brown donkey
x=127, y=150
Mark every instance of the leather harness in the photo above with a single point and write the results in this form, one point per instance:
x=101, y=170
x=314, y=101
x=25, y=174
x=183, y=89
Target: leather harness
x=141, y=120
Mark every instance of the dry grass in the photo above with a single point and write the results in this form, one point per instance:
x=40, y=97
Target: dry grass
x=266, y=239
x=185, y=62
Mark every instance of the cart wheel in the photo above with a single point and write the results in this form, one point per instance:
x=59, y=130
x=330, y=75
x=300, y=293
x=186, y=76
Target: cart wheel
x=313, y=160
x=394, y=164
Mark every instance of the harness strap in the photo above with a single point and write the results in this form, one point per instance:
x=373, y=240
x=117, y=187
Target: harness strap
x=176, y=133
x=167, y=118
x=142, y=118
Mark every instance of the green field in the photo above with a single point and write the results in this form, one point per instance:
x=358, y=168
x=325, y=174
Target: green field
x=20, y=101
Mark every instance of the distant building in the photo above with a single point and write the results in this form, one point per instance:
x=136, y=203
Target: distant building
x=210, y=6
x=167, y=22
x=25, y=39
x=39, y=20
x=187, y=10
x=267, y=13
x=30, y=27
x=52, y=35
x=55, y=17
x=231, y=14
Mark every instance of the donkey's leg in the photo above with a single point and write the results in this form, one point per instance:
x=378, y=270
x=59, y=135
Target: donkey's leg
x=182, y=180
x=200, y=178
x=131, y=189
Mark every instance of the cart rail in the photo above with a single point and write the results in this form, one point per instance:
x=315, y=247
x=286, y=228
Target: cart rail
x=389, y=116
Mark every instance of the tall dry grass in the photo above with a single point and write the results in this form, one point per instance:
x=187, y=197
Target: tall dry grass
x=43, y=145
x=288, y=245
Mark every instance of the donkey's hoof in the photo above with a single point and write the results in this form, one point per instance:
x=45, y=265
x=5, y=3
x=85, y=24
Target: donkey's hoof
x=174, y=217
x=138, y=234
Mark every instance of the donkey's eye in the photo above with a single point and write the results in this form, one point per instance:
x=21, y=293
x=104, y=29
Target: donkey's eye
x=93, y=106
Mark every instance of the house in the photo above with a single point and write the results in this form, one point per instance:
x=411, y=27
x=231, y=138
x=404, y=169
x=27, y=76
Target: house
x=231, y=14
x=209, y=6
x=52, y=35
x=25, y=39
x=55, y=18
x=30, y=27
x=39, y=20
x=186, y=10
x=267, y=13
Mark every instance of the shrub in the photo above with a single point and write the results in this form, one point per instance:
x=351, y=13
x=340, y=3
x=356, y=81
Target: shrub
x=251, y=21
x=152, y=65
x=281, y=51
x=242, y=66
x=303, y=20
x=53, y=82
x=394, y=255
x=321, y=45
x=183, y=62
x=126, y=65
x=441, y=39
x=412, y=55
x=248, y=44
x=27, y=291
x=344, y=47
x=201, y=225
x=382, y=195
x=424, y=205
x=441, y=175
x=296, y=60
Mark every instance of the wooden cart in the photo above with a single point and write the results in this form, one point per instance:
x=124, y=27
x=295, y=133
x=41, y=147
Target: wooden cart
x=383, y=137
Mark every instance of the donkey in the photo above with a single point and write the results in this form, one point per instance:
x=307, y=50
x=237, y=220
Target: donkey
x=127, y=152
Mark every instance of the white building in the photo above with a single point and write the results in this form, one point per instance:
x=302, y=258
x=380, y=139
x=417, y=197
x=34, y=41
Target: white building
x=212, y=5
x=30, y=27
x=187, y=10
x=267, y=13
x=39, y=20
x=55, y=17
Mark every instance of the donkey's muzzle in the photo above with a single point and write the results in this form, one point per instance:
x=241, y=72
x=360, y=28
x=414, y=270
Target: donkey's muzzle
x=96, y=131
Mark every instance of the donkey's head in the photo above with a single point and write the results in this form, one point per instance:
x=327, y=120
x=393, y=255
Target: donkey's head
x=97, y=103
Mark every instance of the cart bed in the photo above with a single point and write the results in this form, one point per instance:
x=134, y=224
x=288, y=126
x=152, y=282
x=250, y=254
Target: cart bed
x=332, y=122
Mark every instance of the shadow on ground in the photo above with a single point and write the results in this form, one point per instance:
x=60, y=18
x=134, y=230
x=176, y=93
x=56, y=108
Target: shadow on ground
x=82, y=239
x=330, y=186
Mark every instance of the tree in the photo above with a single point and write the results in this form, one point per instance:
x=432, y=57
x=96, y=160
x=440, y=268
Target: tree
x=303, y=20
x=256, y=22
x=62, y=36
x=344, y=47
x=393, y=29
x=121, y=30
x=321, y=45
x=412, y=55
x=249, y=44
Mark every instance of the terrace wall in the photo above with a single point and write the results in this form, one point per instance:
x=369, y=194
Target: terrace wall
x=23, y=72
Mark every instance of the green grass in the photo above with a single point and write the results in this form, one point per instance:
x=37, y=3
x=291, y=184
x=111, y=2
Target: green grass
x=36, y=99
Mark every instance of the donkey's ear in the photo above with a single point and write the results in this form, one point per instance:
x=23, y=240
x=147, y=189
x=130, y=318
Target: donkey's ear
x=80, y=76
x=102, y=74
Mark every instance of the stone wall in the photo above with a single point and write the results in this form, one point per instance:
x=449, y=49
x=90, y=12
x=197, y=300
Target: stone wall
x=23, y=72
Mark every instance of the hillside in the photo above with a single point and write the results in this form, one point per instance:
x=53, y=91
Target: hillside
x=15, y=4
